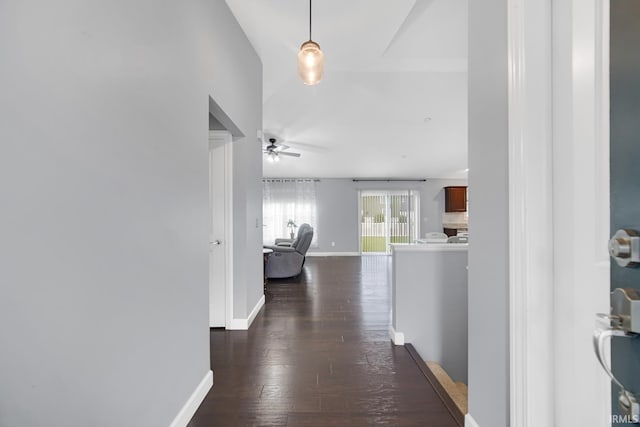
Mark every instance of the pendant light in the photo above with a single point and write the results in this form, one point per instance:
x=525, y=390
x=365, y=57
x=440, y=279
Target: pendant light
x=310, y=59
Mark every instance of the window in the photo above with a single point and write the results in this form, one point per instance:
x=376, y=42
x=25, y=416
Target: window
x=284, y=200
x=388, y=217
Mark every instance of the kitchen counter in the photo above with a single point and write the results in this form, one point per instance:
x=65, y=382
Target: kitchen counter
x=430, y=247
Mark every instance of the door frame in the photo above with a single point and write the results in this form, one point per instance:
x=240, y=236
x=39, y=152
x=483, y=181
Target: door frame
x=388, y=192
x=225, y=140
x=558, y=209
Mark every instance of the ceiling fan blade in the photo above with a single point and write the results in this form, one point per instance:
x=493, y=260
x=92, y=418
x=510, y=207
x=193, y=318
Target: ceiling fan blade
x=281, y=147
x=305, y=146
x=289, y=154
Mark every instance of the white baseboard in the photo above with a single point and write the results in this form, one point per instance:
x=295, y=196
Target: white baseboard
x=333, y=253
x=243, y=324
x=196, y=398
x=396, y=337
x=255, y=311
x=237, y=325
x=469, y=421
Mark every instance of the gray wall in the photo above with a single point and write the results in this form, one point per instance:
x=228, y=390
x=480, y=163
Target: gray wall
x=338, y=209
x=214, y=124
x=429, y=291
x=237, y=89
x=488, y=223
x=103, y=176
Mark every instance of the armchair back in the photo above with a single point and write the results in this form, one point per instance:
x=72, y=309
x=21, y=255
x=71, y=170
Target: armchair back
x=304, y=240
x=301, y=229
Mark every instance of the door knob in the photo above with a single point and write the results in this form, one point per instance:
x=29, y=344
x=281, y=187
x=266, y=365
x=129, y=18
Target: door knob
x=216, y=242
x=624, y=248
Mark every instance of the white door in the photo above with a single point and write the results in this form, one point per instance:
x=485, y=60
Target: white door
x=218, y=241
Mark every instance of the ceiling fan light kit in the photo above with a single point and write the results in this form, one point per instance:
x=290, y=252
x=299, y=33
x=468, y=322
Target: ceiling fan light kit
x=310, y=60
x=273, y=157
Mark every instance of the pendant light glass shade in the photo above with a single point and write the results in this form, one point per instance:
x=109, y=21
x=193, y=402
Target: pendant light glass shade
x=310, y=59
x=310, y=63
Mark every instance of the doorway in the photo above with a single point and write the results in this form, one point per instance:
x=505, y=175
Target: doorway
x=387, y=217
x=220, y=239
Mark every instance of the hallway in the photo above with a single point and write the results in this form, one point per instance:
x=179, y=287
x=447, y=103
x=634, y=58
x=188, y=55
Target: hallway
x=319, y=354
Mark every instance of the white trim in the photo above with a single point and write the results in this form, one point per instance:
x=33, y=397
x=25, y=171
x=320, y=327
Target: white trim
x=581, y=207
x=244, y=324
x=218, y=138
x=602, y=177
x=189, y=408
x=333, y=254
x=237, y=325
x=602, y=129
x=469, y=421
x=530, y=213
x=228, y=166
x=220, y=141
x=224, y=139
x=396, y=337
x=255, y=311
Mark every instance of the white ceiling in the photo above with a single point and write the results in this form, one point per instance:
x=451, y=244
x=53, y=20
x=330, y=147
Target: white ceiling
x=389, y=65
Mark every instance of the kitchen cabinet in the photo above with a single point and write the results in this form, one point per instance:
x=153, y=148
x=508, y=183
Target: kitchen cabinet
x=450, y=232
x=454, y=231
x=455, y=199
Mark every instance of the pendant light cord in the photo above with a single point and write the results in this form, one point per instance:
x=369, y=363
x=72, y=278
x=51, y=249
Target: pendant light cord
x=309, y=19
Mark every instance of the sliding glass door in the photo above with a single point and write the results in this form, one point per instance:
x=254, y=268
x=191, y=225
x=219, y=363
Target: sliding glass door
x=387, y=217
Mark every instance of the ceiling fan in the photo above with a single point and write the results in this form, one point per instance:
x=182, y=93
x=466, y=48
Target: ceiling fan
x=273, y=149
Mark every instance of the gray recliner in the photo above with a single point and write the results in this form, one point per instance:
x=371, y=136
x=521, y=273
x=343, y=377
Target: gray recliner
x=292, y=242
x=287, y=261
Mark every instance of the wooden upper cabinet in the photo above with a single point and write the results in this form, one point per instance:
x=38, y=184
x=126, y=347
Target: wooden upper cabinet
x=455, y=199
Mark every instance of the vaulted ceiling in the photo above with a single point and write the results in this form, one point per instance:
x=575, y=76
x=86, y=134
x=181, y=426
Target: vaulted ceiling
x=393, y=101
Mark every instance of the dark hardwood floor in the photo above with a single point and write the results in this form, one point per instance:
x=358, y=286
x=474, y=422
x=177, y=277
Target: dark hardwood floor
x=319, y=354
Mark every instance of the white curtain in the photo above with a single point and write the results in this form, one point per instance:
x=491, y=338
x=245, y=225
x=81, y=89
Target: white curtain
x=284, y=200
